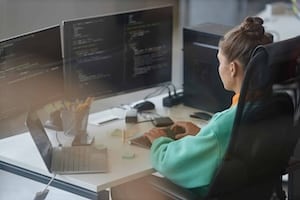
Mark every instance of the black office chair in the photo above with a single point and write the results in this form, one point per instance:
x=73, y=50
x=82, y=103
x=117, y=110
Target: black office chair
x=265, y=131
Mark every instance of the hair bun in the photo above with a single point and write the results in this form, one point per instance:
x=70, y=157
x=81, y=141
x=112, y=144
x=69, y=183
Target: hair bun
x=253, y=27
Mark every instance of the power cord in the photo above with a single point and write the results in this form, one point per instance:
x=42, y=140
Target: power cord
x=158, y=91
x=41, y=195
x=174, y=89
x=57, y=139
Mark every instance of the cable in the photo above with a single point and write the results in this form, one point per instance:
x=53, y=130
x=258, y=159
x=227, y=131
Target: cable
x=159, y=91
x=43, y=194
x=174, y=89
x=53, y=177
x=169, y=91
x=57, y=139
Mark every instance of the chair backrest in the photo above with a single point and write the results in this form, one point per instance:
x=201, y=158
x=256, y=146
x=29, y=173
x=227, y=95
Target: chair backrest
x=264, y=132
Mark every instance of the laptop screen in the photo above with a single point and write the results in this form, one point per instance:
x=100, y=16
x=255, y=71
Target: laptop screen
x=40, y=137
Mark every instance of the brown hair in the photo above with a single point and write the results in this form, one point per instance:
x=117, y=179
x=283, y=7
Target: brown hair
x=239, y=42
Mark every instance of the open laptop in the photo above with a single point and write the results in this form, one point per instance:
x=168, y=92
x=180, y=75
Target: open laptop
x=66, y=160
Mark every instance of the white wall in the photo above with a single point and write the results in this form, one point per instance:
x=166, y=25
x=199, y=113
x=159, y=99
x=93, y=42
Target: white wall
x=21, y=16
x=228, y=12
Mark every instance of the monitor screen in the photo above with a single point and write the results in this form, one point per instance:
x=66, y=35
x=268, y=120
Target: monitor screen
x=203, y=88
x=31, y=72
x=113, y=54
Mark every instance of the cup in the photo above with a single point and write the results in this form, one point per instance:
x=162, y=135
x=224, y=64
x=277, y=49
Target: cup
x=74, y=122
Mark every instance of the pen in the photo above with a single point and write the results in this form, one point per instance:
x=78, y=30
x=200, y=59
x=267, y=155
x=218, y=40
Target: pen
x=109, y=120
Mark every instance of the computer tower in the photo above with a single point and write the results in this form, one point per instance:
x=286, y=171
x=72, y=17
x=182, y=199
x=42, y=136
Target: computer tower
x=202, y=86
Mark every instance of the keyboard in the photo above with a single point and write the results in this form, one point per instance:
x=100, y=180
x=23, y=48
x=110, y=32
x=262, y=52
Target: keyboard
x=77, y=159
x=144, y=142
x=141, y=141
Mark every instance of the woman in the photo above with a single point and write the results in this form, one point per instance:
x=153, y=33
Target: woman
x=192, y=160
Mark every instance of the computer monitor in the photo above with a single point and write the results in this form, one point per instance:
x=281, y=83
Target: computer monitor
x=118, y=53
x=31, y=72
x=203, y=88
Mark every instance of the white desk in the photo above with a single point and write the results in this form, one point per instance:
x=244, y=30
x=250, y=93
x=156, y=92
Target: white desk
x=20, y=154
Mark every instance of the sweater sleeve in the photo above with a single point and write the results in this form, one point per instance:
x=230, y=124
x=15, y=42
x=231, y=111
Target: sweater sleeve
x=191, y=161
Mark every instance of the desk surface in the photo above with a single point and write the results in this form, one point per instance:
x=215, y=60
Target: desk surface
x=21, y=151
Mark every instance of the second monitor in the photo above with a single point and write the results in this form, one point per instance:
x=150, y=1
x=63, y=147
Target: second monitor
x=31, y=72
x=113, y=54
x=203, y=88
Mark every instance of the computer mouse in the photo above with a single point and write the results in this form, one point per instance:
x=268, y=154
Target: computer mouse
x=145, y=105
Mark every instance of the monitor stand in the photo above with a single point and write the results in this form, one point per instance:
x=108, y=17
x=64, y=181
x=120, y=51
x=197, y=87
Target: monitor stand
x=82, y=139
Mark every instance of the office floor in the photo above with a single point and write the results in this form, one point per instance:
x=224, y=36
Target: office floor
x=13, y=187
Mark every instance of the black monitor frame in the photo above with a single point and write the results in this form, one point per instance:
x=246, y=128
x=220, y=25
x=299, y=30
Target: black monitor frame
x=203, y=88
x=119, y=53
x=31, y=71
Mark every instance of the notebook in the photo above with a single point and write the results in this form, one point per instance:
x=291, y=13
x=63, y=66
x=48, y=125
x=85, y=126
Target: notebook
x=65, y=160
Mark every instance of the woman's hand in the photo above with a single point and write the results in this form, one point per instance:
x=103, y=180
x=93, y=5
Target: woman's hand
x=183, y=128
x=155, y=133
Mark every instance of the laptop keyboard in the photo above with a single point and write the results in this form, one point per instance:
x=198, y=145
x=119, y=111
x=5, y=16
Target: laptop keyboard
x=76, y=158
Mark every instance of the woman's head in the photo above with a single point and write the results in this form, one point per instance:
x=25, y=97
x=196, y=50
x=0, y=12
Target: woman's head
x=239, y=43
x=235, y=50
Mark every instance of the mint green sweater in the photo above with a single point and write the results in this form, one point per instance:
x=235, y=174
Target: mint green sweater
x=191, y=161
